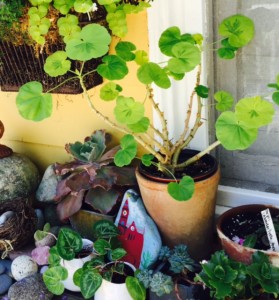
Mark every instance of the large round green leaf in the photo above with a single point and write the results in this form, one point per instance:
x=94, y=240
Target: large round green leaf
x=238, y=28
x=57, y=64
x=141, y=126
x=125, y=50
x=128, y=111
x=183, y=190
x=151, y=72
x=110, y=91
x=170, y=37
x=92, y=42
x=233, y=134
x=113, y=68
x=128, y=151
x=224, y=100
x=83, y=6
x=32, y=103
x=254, y=112
x=63, y=5
x=186, y=57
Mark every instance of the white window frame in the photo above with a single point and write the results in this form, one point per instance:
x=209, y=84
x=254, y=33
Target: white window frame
x=190, y=16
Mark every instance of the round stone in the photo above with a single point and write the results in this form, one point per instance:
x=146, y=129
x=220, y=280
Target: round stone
x=19, y=177
x=5, y=282
x=2, y=268
x=23, y=266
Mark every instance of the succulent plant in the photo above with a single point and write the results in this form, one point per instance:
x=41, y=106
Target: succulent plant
x=161, y=284
x=91, y=177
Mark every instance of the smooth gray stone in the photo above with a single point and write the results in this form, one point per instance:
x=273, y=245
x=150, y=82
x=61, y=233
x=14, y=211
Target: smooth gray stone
x=5, y=282
x=30, y=288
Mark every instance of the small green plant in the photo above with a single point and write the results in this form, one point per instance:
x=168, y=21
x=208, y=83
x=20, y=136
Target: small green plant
x=105, y=262
x=228, y=279
x=173, y=267
x=91, y=178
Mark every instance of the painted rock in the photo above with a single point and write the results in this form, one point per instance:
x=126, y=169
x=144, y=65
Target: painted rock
x=138, y=233
x=30, y=288
x=47, y=188
x=23, y=266
x=5, y=266
x=19, y=177
x=5, y=282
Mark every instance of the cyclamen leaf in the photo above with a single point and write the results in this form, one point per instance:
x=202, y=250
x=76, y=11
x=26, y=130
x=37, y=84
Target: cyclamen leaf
x=53, y=278
x=89, y=283
x=32, y=103
x=117, y=253
x=105, y=229
x=135, y=288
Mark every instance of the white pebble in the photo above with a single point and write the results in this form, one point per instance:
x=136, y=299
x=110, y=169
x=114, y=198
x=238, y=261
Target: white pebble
x=5, y=216
x=23, y=266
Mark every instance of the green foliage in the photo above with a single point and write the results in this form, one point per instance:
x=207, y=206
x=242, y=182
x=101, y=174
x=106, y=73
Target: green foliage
x=177, y=265
x=41, y=234
x=91, y=177
x=227, y=278
x=183, y=190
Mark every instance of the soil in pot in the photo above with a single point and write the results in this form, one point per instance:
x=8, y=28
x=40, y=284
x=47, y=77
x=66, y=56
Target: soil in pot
x=117, y=277
x=247, y=224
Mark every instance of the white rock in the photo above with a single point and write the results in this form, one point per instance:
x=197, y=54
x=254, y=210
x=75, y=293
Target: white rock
x=23, y=266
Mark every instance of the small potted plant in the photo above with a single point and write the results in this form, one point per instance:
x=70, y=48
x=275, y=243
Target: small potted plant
x=91, y=187
x=173, y=276
x=96, y=275
x=242, y=231
x=236, y=128
x=228, y=279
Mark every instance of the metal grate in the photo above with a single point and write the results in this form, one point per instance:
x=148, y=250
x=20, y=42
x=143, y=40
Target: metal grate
x=19, y=65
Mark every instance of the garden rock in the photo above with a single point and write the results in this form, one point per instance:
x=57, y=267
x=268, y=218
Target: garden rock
x=47, y=189
x=30, y=288
x=138, y=233
x=23, y=266
x=40, y=218
x=5, y=282
x=5, y=267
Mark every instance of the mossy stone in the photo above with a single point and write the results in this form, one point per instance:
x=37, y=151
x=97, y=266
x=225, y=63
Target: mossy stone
x=19, y=177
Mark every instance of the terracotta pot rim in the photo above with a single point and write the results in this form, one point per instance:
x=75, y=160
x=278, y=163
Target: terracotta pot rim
x=143, y=170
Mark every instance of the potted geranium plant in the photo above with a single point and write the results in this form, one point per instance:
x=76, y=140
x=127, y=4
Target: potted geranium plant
x=235, y=129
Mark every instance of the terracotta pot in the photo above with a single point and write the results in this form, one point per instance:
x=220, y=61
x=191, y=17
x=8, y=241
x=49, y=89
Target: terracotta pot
x=234, y=250
x=189, y=222
x=83, y=222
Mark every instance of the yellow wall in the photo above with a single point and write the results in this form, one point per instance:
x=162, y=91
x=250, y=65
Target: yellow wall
x=72, y=118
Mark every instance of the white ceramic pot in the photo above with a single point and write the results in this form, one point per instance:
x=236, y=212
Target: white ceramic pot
x=73, y=265
x=113, y=291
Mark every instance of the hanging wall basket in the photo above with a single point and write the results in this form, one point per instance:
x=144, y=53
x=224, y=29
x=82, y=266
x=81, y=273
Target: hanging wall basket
x=21, y=62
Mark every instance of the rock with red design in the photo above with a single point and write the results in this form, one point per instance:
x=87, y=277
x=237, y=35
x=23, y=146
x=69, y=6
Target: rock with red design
x=138, y=232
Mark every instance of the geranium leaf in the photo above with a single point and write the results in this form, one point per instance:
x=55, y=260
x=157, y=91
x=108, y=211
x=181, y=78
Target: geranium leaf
x=232, y=134
x=275, y=97
x=128, y=111
x=183, y=190
x=186, y=57
x=125, y=50
x=63, y=5
x=147, y=159
x=83, y=6
x=92, y=42
x=254, y=112
x=57, y=64
x=238, y=28
x=128, y=151
x=32, y=103
x=224, y=100
x=151, y=72
x=141, y=57
x=112, y=68
x=141, y=126
x=117, y=23
x=202, y=91
x=226, y=53
x=110, y=91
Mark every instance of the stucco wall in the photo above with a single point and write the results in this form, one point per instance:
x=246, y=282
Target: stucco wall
x=72, y=118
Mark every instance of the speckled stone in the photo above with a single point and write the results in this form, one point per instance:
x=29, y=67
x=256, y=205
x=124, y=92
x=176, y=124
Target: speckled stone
x=19, y=177
x=5, y=282
x=23, y=266
x=30, y=288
